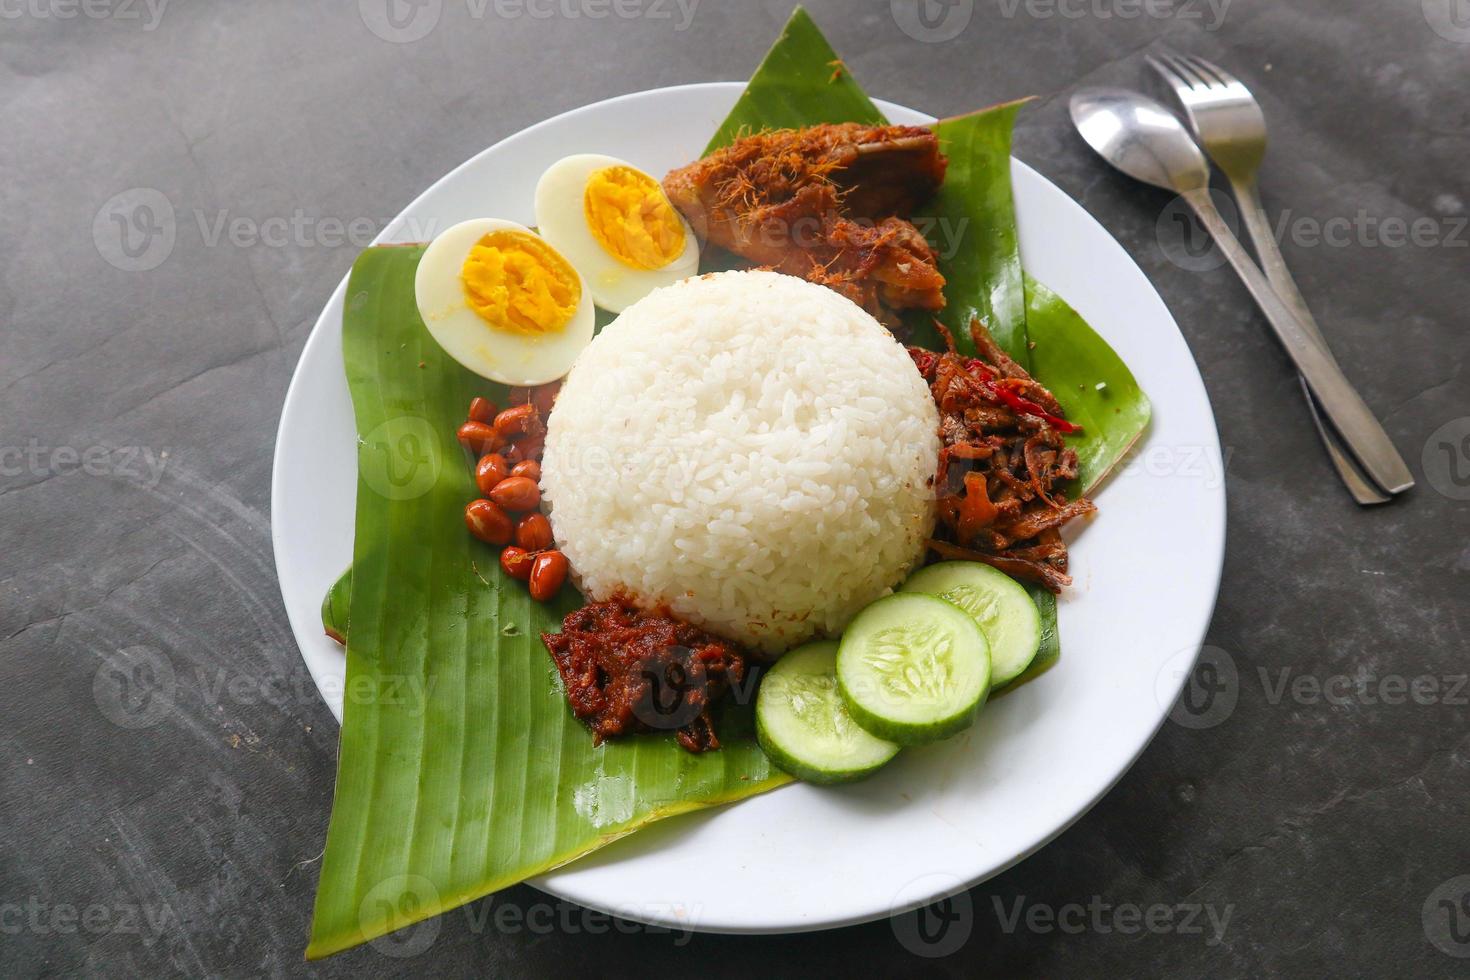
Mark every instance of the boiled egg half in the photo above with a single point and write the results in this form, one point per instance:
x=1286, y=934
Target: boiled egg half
x=615, y=224
x=503, y=302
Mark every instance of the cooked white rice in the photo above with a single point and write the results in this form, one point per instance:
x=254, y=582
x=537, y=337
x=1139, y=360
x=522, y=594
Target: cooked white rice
x=747, y=448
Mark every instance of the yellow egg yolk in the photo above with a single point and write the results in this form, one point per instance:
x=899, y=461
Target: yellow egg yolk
x=517, y=282
x=631, y=219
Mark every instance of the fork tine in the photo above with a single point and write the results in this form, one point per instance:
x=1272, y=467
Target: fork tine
x=1186, y=70
x=1169, y=75
x=1212, y=71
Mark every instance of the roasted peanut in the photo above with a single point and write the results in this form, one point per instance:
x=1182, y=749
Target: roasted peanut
x=518, y=420
x=548, y=572
x=517, y=493
x=517, y=562
x=488, y=522
x=490, y=470
x=482, y=410
x=477, y=437
x=528, y=468
x=533, y=532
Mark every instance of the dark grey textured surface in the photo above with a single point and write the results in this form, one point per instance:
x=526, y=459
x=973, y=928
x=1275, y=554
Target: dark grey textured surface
x=152, y=834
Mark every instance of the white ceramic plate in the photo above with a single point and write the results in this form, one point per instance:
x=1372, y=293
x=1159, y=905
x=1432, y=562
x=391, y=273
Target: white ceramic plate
x=941, y=818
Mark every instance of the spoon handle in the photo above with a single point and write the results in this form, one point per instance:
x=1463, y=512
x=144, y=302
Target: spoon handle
x=1273, y=264
x=1347, y=411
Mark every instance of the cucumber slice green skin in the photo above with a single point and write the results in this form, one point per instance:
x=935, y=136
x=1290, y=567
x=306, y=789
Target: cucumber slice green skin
x=1005, y=611
x=802, y=725
x=913, y=668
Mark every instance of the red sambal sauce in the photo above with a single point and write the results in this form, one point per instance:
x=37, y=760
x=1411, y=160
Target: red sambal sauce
x=627, y=671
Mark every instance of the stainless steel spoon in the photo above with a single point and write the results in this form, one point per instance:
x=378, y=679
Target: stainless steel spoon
x=1145, y=141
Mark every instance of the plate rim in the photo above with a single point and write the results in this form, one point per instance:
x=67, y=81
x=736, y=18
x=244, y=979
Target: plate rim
x=295, y=395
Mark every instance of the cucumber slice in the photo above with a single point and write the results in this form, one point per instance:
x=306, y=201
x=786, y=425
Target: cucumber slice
x=913, y=668
x=801, y=724
x=1005, y=611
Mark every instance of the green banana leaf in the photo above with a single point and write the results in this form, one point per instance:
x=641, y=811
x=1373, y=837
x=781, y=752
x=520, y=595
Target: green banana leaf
x=461, y=769
x=337, y=606
x=801, y=82
x=1089, y=379
x=972, y=224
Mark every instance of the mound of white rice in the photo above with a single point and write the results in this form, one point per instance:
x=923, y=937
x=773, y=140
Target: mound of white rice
x=747, y=448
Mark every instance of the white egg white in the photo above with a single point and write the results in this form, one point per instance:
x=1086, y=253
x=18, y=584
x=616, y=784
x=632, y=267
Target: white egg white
x=561, y=219
x=498, y=354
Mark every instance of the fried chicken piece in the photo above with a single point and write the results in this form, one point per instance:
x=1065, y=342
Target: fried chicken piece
x=826, y=203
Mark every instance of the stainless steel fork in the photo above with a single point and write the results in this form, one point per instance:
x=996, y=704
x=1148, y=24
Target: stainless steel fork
x=1229, y=124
